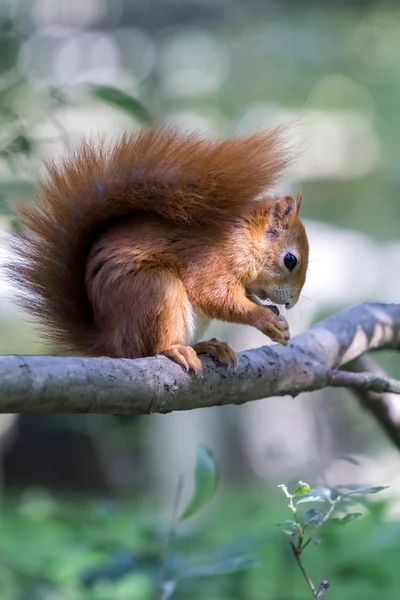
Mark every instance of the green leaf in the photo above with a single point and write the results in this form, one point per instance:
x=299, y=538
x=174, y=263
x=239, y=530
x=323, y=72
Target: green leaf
x=318, y=494
x=287, y=523
x=344, y=520
x=123, y=101
x=311, y=499
x=313, y=516
x=205, y=481
x=289, y=527
x=368, y=490
x=303, y=488
x=223, y=567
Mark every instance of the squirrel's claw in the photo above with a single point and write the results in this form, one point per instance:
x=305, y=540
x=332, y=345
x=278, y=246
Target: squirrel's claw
x=221, y=351
x=185, y=356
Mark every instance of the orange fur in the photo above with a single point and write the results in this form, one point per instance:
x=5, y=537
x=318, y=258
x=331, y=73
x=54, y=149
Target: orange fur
x=127, y=241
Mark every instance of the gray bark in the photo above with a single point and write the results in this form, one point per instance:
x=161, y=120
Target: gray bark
x=50, y=384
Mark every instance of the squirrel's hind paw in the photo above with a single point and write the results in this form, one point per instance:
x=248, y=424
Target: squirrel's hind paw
x=218, y=350
x=185, y=356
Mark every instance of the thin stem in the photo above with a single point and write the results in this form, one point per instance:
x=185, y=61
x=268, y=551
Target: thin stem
x=169, y=538
x=324, y=585
x=382, y=406
x=297, y=554
x=324, y=520
x=363, y=381
x=301, y=546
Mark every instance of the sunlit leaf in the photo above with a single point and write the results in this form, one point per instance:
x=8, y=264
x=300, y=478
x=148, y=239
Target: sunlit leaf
x=205, y=481
x=123, y=101
x=303, y=488
x=311, y=499
x=318, y=494
x=321, y=491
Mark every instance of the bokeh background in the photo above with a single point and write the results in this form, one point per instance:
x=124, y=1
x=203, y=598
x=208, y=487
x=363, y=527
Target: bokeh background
x=86, y=499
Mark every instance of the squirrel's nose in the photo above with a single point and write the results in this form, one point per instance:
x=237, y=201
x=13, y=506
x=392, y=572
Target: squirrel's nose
x=291, y=303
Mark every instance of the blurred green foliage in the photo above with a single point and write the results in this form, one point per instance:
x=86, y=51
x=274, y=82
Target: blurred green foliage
x=328, y=506
x=77, y=549
x=53, y=549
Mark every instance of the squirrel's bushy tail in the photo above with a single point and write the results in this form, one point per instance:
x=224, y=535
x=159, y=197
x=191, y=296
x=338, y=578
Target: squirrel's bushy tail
x=182, y=178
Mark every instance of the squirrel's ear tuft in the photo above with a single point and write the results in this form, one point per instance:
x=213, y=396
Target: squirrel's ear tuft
x=285, y=209
x=298, y=200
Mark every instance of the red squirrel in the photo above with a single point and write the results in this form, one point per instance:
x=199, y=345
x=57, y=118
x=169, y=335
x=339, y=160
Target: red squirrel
x=128, y=242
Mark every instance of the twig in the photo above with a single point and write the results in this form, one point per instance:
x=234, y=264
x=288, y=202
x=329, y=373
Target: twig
x=363, y=381
x=384, y=407
x=302, y=544
x=169, y=539
x=297, y=554
x=324, y=585
x=323, y=520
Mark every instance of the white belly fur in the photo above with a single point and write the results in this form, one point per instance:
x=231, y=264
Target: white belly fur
x=197, y=324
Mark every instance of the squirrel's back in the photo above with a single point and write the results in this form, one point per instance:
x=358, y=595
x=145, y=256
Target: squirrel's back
x=183, y=179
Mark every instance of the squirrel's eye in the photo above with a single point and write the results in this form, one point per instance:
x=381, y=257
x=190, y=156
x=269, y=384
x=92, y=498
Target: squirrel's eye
x=290, y=261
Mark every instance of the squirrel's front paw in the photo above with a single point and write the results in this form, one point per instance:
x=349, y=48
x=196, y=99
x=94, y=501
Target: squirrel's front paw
x=277, y=329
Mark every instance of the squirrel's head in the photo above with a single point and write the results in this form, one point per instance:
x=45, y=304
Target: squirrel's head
x=282, y=252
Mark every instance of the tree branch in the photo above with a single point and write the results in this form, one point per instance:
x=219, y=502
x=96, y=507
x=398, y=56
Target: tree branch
x=384, y=407
x=297, y=554
x=48, y=384
x=368, y=382
x=322, y=589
